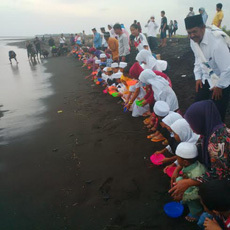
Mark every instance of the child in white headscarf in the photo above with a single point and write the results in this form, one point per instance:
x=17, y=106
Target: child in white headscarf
x=149, y=62
x=162, y=90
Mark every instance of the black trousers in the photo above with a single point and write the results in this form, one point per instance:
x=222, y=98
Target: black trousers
x=222, y=104
x=152, y=43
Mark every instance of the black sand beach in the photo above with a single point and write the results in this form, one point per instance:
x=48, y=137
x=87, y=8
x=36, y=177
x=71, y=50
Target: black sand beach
x=88, y=167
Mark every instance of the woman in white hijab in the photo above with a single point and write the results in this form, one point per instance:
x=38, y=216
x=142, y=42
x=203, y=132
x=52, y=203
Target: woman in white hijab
x=149, y=62
x=166, y=123
x=183, y=132
x=162, y=90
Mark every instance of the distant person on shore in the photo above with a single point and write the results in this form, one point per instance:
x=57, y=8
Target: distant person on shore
x=29, y=47
x=152, y=33
x=171, y=28
x=123, y=41
x=140, y=41
x=72, y=40
x=96, y=39
x=62, y=41
x=113, y=46
x=213, y=79
x=12, y=55
x=203, y=14
x=51, y=42
x=191, y=12
x=139, y=26
x=111, y=31
x=219, y=15
x=163, y=29
x=83, y=37
x=37, y=44
x=175, y=27
x=104, y=44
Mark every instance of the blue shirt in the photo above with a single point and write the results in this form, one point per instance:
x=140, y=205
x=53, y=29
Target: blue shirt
x=97, y=40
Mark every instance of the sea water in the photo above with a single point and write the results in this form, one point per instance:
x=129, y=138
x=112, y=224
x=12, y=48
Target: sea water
x=23, y=87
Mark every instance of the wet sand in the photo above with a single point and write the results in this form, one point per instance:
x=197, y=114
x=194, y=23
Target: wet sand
x=87, y=167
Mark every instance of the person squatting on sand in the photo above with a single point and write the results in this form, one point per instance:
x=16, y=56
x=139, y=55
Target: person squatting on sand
x=197, y=144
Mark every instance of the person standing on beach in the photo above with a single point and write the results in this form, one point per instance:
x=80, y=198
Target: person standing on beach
x=12, y=55
x=103, y=43
x=203, y=14
x=96, y=39
x=214, y=52
x=72, y=40
x=191, y=12
x=83, y=37
x=140, y=41
x=163, y=29
x=123, y=40
x=113, y=46
x=51, y=43
x=219, y=15
x=62, y=41
x=152, y=33
x=29, y=47
x=175, y=27
x=111, y=31
x=37, y=44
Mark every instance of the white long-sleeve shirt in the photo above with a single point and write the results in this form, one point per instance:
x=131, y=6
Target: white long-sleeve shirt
x=123, y=45
x=217, y=55
x=152, y=29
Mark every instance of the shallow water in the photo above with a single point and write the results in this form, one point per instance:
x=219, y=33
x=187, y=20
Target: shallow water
x=22, y=88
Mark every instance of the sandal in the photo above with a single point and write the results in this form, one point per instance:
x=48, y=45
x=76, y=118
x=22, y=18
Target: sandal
x=192, y=218
x=146, y=121
x=158, y=138
x=165, y=142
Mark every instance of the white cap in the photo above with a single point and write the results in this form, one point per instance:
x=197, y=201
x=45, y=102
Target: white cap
x=103, y=56
x=186, y=150
x=105, y=69
x=114, y=65
x=152, y=16
x=122, y=65
x=98, y=62
x=171, y=118
x=161, y=108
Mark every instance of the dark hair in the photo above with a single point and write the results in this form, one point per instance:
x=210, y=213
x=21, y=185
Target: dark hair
x=117, y=26
x=106, y=34
x=215, y=195
x=219, y=5
x=135, y=26
x=94, y=29
x=163, y=12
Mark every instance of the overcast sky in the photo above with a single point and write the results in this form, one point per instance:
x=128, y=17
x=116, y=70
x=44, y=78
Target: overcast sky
x=30, y=17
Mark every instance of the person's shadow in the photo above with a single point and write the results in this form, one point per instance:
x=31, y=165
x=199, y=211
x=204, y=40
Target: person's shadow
x=15, y=69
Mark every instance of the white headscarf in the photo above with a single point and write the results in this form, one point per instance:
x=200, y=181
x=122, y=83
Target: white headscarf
x=151, y=62
x=171, y=118
x=158, y=83
x=182, y=129
x=146, y=56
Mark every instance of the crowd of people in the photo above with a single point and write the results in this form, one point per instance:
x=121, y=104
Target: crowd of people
x=197, y=143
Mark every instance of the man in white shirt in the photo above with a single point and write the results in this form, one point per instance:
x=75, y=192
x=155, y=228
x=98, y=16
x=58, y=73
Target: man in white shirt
x=191, y=12
x=211, y=53
x=104, y=44
x=123, y=43
x=152, y=33
x=62, y=40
